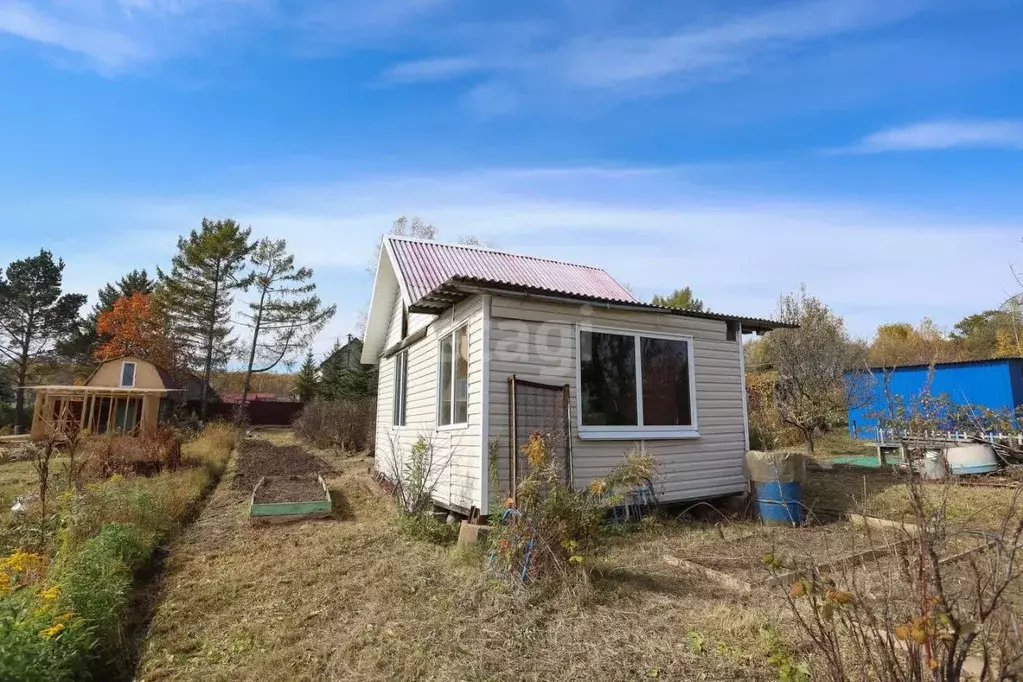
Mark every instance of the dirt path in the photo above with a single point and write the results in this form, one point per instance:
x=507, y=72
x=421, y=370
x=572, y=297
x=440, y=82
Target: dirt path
x=351, y=598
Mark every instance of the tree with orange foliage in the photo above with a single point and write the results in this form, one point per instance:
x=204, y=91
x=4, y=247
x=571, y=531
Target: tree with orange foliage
x=134, y=326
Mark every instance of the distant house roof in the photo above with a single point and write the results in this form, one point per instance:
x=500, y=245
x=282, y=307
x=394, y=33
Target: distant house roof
x=348, y=356
x=430, y=277
x=236, y=398
x=936, y=365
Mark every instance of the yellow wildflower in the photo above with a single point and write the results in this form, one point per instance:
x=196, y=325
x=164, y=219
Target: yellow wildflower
x=20, y=561
x=51, y=593
x=52, y=631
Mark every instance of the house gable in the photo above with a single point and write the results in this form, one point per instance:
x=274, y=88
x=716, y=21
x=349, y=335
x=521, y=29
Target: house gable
x=147, y=375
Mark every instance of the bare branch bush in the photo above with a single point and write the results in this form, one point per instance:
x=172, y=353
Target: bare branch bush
x=415, y=474
x=932, y=599
x=810, y=361
x=348, y=424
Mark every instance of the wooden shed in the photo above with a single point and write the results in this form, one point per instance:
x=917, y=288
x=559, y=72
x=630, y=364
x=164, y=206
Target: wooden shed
x=123, y=395
x=479, y=349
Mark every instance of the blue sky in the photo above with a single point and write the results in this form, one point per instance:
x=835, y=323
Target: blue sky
x=871, y=149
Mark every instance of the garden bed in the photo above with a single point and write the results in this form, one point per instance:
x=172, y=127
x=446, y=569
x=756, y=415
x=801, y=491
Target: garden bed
x=260, y=458
x=290, y=498
x=741, y=560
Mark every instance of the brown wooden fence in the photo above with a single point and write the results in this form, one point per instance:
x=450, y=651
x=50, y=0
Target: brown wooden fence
x=261, y=412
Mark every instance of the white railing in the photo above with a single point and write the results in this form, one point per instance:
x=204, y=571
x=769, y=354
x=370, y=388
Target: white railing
x=884, y=436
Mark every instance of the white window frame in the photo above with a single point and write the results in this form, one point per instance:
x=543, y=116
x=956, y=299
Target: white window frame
x=452, y=335
x=638, y=432
x=399, y=406
x=134, y=374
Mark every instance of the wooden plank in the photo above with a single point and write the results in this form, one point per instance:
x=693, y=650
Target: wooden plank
x=983, y=547
x=718, y=577
x=289, y=508
x=292, y=510
x=875, y=522
x=850, y=561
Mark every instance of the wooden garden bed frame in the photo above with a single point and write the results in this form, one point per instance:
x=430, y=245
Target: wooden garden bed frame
x=281, y=512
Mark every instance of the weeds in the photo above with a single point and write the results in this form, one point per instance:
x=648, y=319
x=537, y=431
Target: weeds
x=139, y=455
x=554, y=526
x=58, y=616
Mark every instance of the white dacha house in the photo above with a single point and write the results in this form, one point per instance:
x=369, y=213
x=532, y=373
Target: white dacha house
x=478, y=349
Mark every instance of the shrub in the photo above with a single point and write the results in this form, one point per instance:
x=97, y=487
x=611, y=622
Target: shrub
x=427, y=528
x=348, y=424
x=554, y=525
x=39, y=641
x=414, y=475
x=141, y=455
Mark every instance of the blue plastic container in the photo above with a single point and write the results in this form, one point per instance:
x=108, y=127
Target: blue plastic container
x=781, y=503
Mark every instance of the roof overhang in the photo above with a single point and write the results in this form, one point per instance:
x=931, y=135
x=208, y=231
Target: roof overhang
x=75, y=390
x=386, y=287
x=457, y=289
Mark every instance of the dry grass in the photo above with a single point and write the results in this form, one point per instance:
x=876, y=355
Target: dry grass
x=885, y=494
x=352, y=598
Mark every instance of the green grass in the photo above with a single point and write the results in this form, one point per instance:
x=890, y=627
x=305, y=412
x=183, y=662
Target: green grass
x=840, y=443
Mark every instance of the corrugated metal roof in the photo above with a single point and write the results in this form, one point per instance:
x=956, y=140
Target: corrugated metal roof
x=425, y=266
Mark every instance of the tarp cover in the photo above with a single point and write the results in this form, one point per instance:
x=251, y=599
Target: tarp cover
x=784, y=466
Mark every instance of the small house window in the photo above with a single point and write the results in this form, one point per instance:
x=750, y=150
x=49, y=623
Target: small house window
x=635, y=385
x=400, y=387
x=127, y=374
x=454, y=378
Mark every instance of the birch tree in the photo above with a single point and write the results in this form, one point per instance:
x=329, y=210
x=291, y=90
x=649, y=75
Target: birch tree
x=198, y=293
x=284, y=314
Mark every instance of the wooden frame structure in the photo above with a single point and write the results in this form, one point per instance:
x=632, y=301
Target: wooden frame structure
x=96, y=409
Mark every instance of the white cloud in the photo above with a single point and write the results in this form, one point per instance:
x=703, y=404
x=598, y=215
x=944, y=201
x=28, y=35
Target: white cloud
x=949, y=134
x=650, y=227
x=439, y=68
x=108, y=48
x=119, y=35
x=729, y=44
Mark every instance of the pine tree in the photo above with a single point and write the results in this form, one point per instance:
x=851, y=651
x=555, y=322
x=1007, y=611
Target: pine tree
x=284, y=313
x=81, y=345
x=34, y=317
x=198, y=293
x=682, y=299
x=307, y=382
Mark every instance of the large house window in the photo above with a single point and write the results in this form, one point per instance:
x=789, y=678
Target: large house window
x=127, y=374
x=400, y=387
x=454, y=378
x=635, y=385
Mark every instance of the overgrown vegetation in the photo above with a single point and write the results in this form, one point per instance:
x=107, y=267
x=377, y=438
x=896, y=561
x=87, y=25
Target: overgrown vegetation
x=345, y=424
x=63, y=604
x=939, y=598
x=549, y=532
x=143, y=455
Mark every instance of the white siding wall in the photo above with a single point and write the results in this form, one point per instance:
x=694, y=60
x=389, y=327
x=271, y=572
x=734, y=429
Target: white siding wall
x=536, y=340
x=457, y=450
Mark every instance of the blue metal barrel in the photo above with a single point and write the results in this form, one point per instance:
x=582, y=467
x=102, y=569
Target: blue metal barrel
x=781, y=503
